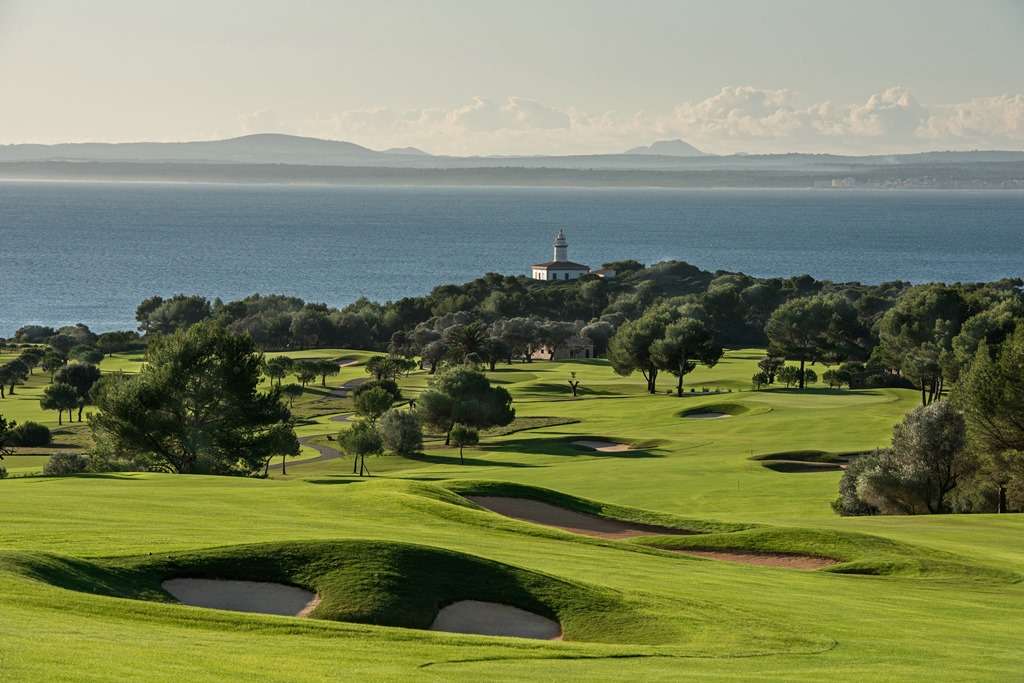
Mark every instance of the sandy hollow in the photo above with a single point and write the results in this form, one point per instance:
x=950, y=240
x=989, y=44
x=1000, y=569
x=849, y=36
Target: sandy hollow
x=243, y=596
x=802, y=562
x=494, y=619
x=569, y=520
x=706, y=416
x=604, y=446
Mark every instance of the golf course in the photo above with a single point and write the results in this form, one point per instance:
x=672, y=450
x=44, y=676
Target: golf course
x=615, y=534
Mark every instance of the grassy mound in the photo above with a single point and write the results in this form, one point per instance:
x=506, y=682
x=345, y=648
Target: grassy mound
x=366, y=582
x=856, y=553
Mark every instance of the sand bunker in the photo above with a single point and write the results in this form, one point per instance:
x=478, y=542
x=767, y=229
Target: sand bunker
x=494, y=619
x=243, y=596
x=802, y=562
x=706, y=416
x=568, y=520
x=605, y=446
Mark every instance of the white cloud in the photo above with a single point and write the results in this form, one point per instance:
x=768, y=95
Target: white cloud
x=980, y=121
x=737, y=118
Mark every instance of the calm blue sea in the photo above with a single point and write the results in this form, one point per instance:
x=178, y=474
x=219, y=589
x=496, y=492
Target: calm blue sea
x=90, y=252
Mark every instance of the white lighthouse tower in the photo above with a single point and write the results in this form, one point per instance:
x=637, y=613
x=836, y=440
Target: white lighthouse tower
x=561, y=268
x=561, y=247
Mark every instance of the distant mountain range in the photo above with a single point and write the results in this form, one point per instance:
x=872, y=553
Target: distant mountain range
x=669, y=148
x=666, y=163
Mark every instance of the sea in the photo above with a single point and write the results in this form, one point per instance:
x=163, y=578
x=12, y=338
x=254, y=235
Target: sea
x=90, y=252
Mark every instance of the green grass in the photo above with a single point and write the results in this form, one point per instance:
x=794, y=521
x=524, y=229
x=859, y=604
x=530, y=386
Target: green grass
x=81, y=557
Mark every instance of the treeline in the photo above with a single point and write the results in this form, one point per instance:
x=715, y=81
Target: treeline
x=891, y=334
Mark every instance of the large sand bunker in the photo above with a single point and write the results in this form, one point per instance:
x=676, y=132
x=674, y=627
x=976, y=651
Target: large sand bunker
x=604, y=446
x=577, y=522
x=494, y=619
x=802, y=562
x=243, y=596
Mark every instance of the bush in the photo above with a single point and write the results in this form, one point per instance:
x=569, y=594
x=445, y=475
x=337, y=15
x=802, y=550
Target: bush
x=31, y=434
x=388, y=385
x=63, y=464
x=3, y=471
x=401, y=431
x=849, y=503
x=788, y=375
x=810, y=376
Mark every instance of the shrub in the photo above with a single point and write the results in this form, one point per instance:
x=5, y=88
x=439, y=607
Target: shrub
x=849, y=503
x=31, y=434
x=788, y=375
x=63, y=464
x=810, y=376
x=388, y=385
x=401, y=431
x=3, y=471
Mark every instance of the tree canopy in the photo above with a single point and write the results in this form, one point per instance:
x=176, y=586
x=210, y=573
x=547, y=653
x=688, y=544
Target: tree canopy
x=195, y=407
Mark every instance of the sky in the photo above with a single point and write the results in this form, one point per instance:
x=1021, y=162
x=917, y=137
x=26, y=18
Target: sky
x=526, y=77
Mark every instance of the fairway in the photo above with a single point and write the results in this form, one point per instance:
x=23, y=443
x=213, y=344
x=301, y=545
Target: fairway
x=655, y=576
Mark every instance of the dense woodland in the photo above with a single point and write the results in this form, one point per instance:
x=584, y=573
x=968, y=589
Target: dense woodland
x=665, y=319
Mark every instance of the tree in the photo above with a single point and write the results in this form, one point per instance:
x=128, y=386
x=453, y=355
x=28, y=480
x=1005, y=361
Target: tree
x=31, y=357
x=81, y=376
x=810, y=376
x=306, y=372
x=574, y=384
x=86, y=354
x=195, y=406
x=991, y=395
x=389, y=367
x=463, y=395
x=433, y=353
x=291, y=392
x=686, y=343
x=59, y=397
x=277, y=368
x=165, y=316
x=52, y=362
x=836, y=378
x=789, y=375
x=925, y=463
x=463, y=436
x=630, y=349
x=759, y=380
x=15, y=372
x=373, y=403
x=916, y=335
x=770, y=366
x=6, y=436
x=463, y=340
x=495, y=349
x=114, y=342
x=805, y=330
x=326, y=368
x=359, y=441
x=401, y=432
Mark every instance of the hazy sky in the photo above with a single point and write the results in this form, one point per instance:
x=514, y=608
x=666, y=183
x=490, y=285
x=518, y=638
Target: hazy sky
x=555, y=76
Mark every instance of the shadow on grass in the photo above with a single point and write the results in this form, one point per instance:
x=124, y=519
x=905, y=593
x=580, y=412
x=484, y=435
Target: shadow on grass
x=821, y=391
x=454, y=460
x=333, y=481
x=554, y=388
x=565, y=447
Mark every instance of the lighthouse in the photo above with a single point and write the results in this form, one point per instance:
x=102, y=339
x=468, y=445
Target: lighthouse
x=561, y=247
x=561, y=268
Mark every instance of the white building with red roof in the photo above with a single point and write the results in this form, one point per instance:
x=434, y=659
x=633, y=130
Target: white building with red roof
x=561, y=268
